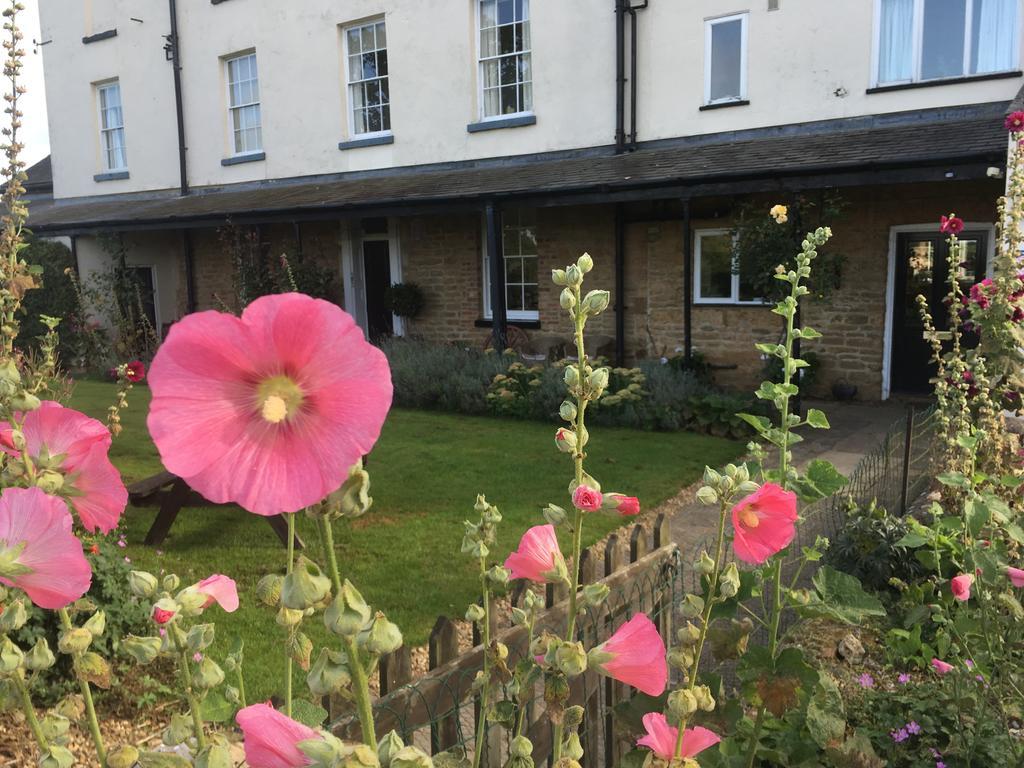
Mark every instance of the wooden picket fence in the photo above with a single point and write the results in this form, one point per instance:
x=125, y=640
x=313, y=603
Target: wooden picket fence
x=440, y=711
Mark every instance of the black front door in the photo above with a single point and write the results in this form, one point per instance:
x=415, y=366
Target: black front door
x=377, y=280
x=922, y=268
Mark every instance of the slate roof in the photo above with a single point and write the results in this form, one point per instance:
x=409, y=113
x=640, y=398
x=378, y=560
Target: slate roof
x=865, y=144
x=40, y=177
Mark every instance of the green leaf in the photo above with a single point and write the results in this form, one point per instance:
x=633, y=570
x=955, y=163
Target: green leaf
x=807, y=333
x=977, y=515
x=308, y=713
x=955, y=479
x=760, y=423
x=629, y=714
x=635, y=758
x=216, y=708
x=822, y=479
x=842, y=597
x=817, y=419
x=826, y=716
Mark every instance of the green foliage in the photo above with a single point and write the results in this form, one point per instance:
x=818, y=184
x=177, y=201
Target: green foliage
x=55, y=297
x=405, y=300
x=840, y=596
x=808, y=377
x=869, y=546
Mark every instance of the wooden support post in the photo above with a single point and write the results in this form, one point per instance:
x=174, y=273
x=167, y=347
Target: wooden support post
x=170, y=506
x=442, y=648
x=637, y=543
x=395, y=670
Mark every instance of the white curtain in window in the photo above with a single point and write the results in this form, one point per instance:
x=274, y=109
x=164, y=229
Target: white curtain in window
x=995, y=27
x=895, y=41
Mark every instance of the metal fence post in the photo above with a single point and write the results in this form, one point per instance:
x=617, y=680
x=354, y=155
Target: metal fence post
x=908, y=446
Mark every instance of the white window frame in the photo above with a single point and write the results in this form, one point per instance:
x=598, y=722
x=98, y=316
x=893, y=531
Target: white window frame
x=918, y=47
x=232, y=107
x=521, y=315
x=349, y=83
x=709, y=24
x=481, y=114
x=105, y=158
x=734, y=293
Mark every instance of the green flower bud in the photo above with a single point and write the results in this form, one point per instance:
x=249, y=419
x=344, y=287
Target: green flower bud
x=40, y=657
x=567, y=410
x=571, y=747
x=498, y=575
x=143, y=649
x=232, y=694
x=11, y=656
x=519, y=617
x=358, y=756
x=96, y=624
x=707, y=496
x=729, y=581
x=122, y=757
x=705, y=565
x=171, y=582
x=49, y=481
x=704, y=698
x=192, y=601
x=142, y=584
x=554, y=514
x=268, y=590
x=24, y=401
x=353, y=498
x=94, y=668
x=13, y=617
x=348, y=613
x=383, y=637
x=306, y=586
x=72, y=707
x=567, y=299
x=558, y=277
x=595, y=594
x=411, y=757
x=75, y=640
x=571, y=376
x=681, y=704
x=475, y=613
x=595, y=302
x=573, y=717
x=680, y=658
x=565, y=440
x=692, y=606
x=300, y=648
x=387, y=747
x=199, y=637
x=712, y=477
x=585, y=263
x=521, y=747
x=329, y=674
x=688, y=635
x=598, y=382
x=288, y=617
x=571, y=659
x=207, y=674
x=55, y=756
x=573, y=276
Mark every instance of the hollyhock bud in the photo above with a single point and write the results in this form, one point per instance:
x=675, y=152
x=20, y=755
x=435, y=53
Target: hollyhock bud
x=598, y=382
x=289, y=617
x=40, y=657
x=142, y=649
x=498, y=575
x=56, y=757
x=565, y=440
x=571, y=748
x=571, y=659
x=729, y=582
x=707, y=495
x=688, y=635
x=383, y=638
x=567, y=299
x=387, y=747
x=624, y=505
x=961, y=586
x=123, y=757
x=554, y=514
x=692, y=606
x=411, y=757
x=75, y=640
x=571, y=376
x=475, y=613
x=705, y=700
x=1016, y=576
x=268, y=590
x=306, y=586
x=681, y=704
x=595, y=302
x=567, y=410
x=13, y=617
x=96, y=624
x=348, y=613
x=329, y=674
x=353, y=498
x=680, y=658
x=585, y=263
x=11, y=656
x=49, y=481
x=573, y=276
x=200, y=637
x=586, y=498
x=207, y=674
x=25, y=401
x=190, y=602
x=634, y=655
x=704, y=565
x=142, y=584
x=558, y=277
x=595, y=594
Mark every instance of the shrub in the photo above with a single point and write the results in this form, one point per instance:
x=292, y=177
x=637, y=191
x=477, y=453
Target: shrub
x=405, y=300
x=868, y=547
x=54, y=297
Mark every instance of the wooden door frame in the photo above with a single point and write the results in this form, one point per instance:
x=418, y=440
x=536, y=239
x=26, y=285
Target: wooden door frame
x=890, y=284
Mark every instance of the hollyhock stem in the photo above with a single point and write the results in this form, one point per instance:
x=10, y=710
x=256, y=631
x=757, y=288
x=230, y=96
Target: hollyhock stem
x=86, y=690
x=485, y=693
x=190, y=698
x=290, y=517
x=360, y=682
x=30, y=713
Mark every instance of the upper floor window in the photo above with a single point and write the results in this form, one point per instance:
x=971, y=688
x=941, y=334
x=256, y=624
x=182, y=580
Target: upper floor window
x=115, y=158
x=715, y=280
x=934, y=39
x=725, y=59
x=244, y=104
x=506, y=81
x=370, y=101
x=519, y=248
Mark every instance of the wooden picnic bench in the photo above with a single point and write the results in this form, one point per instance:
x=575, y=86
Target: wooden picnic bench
x=170, y=493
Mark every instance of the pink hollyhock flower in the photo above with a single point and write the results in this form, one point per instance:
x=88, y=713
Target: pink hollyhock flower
x=624, y=505
x=586, y=498
x=76, y=447
x=763, y=523
x=135, y=371
x=635, y=655
x=1014, y=122
x=961, y=586
x=941, y=667
x=219, y=589
x=162, y=615
x=661, y=738
x=1016, y=576
x=538, y=558
x=951, y=225
x=271, y=739
x=49, y=564
x=268, y=410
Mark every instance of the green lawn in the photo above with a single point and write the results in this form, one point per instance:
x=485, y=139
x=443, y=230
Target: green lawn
x=404, y=554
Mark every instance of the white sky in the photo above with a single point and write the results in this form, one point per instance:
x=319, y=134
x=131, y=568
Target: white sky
x=34, y=133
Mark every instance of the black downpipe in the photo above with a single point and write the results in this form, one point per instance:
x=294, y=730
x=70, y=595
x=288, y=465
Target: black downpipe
x=174, y=48
x=190, y=280
x=632, y=72
x=620, y=285
x=496, y=264
x=620, y=75
x=687, y=284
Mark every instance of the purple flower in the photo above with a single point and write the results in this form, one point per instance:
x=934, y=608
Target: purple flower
x=122, y=543
x=866, y=681
x=969, y=663
x=939, y=764
x=197, y=657
x=913, y=728
x=900, y=735
x=904, y=678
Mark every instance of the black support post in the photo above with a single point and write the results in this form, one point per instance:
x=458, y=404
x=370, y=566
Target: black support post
x=496, y=264
x=908, y=454
x=687, y=283
x=620, y=285
x=190, y=282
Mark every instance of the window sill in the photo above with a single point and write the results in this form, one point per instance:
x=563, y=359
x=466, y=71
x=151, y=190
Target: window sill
x=110, y=176
x=370, y=141
x=724, y=104
x=252, y=157
x=106, y=35
x=486, y=322
x=945, y=81
x=501, y=122
x=712, y=304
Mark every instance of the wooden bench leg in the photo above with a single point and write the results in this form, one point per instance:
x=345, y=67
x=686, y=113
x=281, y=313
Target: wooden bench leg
x=280, y=526
x=170, y=505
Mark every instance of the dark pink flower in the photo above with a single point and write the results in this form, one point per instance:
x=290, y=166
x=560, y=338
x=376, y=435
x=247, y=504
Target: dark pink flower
x=764, y=523
x=76, y=447
x=162, y=615
x=661, y=738
x=624, y=505
x=272, y=739
x=635, y=655
x=1016, y=576
x=135, y=371
x=951, y=225
x=1014, y=122
x=586, y=498
x=941, y=667
x=269, y=410
x=50, y=566
x=538, y=558
x=961, y=586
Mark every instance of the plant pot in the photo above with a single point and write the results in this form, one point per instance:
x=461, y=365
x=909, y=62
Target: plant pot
x=844, y=391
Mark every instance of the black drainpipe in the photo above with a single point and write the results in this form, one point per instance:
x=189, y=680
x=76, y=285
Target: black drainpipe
x=173, y=50
x=632, y=71
x=620, y=75
x=687, y=283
